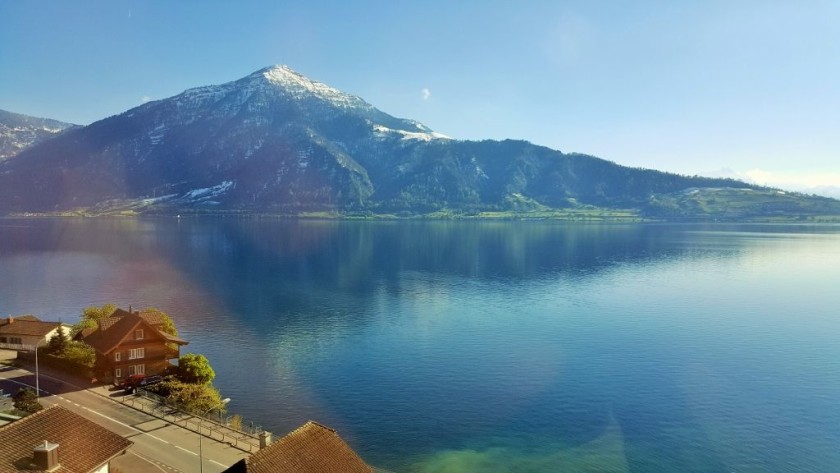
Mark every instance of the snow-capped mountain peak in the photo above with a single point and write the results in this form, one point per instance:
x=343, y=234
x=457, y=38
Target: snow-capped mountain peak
x=299, y=86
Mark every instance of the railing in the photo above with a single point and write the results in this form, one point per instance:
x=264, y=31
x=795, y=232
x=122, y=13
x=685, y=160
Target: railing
x=246, y=439
x=17, y=346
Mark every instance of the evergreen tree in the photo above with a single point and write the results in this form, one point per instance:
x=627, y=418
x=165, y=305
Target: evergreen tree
x=58, y=342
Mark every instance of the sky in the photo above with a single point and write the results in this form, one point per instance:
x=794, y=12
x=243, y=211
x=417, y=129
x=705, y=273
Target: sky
x=744, y=89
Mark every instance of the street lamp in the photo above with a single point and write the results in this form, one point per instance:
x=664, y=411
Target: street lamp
x=200, y=456
x=37, y=378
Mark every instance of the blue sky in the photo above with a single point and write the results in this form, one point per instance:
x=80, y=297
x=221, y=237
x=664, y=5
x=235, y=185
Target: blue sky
x=747, y=89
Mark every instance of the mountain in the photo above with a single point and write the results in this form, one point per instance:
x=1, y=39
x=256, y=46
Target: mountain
x=18, y=132
x=276, y=141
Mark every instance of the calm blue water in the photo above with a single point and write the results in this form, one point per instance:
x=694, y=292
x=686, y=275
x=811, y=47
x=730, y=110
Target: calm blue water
x=485, y=347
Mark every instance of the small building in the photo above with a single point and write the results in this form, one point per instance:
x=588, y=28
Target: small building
x=57, y=440
x=311, y=448
x=25, y=332
x=132, y=343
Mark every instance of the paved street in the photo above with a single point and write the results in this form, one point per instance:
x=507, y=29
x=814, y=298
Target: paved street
x=158, y=444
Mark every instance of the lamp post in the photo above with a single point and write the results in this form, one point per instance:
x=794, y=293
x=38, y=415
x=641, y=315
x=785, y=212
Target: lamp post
x=200, y=455
x=37, y=377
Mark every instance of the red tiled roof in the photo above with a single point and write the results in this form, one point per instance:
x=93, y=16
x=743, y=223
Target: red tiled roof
x=152, y=317
x=114, y=329
x=82, y=445
x=111, y=332
x=173, y=338
x=20, y=317
x=311, y=448
x=27, y=327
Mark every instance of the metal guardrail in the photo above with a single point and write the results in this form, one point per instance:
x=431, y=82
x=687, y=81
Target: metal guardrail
x=160, y=407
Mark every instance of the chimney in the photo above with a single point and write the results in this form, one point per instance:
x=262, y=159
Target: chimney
x=46, y=456
x=129, y=309
x=12, y=319
x=265, y=439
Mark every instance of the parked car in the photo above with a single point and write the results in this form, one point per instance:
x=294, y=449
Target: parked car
x=149, y=381
x=140, y=381
x=129, y=382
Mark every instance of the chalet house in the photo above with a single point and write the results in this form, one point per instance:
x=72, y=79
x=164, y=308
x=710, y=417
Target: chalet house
x=132, y=343
x=27, y=331
x=59, y=441
x=311, y=448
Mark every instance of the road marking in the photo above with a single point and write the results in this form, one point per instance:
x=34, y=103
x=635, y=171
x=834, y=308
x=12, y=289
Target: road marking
x=140, y=432
x=86, y=408
x=184, y=449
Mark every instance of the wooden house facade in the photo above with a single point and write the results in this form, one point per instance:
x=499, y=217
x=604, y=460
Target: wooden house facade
x=127, y=344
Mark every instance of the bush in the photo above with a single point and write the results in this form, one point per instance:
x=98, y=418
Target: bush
x=193, y=398
x=65, y=365
x=26, y=400
x=235, y=422
x=78, y=358
x=80, y=353
x=195, y=369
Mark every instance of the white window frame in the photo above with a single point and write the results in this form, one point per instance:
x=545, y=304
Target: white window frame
x=138, y=334
x=117, y=373
x=136, y=353
x=140, y=369
x=131, y=370
x=117, y=356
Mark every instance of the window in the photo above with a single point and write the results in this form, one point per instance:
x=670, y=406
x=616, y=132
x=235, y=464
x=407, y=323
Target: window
x=136, y=353
x=136, y=369
x=117, y=358
x=138, y=334
x=16, y=340
x=118, y=373
x=2, y=339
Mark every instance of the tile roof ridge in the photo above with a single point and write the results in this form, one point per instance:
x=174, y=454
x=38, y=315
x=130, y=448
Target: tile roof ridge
x=318, y=424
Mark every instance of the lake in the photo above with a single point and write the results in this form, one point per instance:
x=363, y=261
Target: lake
x=484, y=346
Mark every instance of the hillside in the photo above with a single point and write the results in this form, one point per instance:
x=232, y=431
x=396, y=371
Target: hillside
x=278, y=142
x=19, y=132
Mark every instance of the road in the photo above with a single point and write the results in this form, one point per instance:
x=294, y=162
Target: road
x=158, y=445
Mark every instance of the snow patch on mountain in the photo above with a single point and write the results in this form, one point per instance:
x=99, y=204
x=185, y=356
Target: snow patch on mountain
x=157, y=134
x=299, y=86
x=18, y=132
x=385, y=132
x=207, y=193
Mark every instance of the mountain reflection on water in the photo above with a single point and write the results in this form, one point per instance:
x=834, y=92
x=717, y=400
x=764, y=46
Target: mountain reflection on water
x=484, y=346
